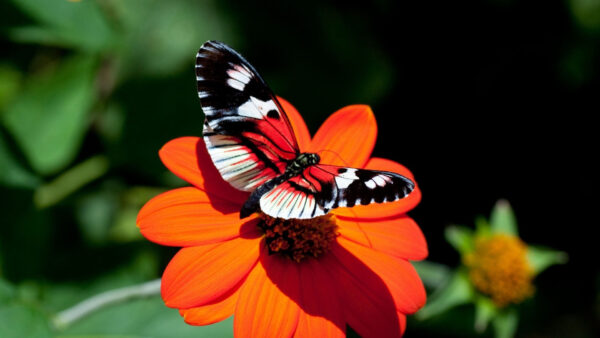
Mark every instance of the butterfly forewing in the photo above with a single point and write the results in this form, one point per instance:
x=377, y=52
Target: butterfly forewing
x=247, y=134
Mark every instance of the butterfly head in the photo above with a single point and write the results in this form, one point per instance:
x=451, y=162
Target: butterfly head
x=308, y=159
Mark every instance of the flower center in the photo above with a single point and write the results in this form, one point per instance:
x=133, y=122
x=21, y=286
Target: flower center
x=498, y=267
x=298, y=238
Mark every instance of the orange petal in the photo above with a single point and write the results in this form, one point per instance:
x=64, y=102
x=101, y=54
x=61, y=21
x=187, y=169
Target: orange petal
x=381, y=210
x=201, y=274
x=367, y=304
x=312, y=326
x=188, y=158
x=402, y=319
x=300, y=129
x=321, y=314
x=347, y=137
x=399, y=275
x=400, y=237
x=216, y=311
x=267, y=305
x=186, y=217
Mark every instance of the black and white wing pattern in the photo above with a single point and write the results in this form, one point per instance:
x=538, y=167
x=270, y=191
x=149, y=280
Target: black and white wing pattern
x=247, y=133
x=320, y=188
x=252, y=144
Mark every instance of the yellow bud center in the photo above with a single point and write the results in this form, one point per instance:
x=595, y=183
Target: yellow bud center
x=498, y=267
x=298, y=238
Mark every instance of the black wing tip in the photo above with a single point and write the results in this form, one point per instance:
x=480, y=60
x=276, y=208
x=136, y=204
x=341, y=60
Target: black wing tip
x=214, y=42
x=214, y=45
x=410, y=183
x=245, y=213
x=249, y=207
x=409, y=186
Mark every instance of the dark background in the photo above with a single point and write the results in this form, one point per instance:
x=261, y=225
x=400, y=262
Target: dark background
x=481, y=100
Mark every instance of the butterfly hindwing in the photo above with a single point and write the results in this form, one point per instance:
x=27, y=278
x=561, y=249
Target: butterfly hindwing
x=294, y=198
x=247, y=133
x=320, y=188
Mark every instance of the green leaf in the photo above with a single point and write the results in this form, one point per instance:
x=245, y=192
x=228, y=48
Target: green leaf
x=13, y=173
x=506, y=323
x=456, y=292
x=432, y=274
x=109, y=124
x=124, y=228
x=7, y=291
x=461, y=238
x=485, y=310
x=95, y=213
x=147, y=317
x=80, y=25
x=541, y=258
x=49, y=118
x=58, y=297
x=18, y=320
x=149, y=27
x=482, y=227
x=503, y=219
x=586, y=14
x=10, y=81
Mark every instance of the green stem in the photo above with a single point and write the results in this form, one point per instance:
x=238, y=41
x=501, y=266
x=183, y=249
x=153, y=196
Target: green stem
x=67, y=317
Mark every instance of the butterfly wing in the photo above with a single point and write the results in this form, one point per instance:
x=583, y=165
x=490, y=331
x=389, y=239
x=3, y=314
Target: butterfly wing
x=247, y=133
x=320, y=188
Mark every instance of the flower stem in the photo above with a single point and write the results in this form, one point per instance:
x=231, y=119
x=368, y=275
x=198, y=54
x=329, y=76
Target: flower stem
x=67, y=317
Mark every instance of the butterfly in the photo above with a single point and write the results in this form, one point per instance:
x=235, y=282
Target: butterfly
x=252, y=144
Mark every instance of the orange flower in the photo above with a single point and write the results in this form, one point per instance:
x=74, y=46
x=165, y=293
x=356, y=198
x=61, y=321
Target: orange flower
x=361, y=277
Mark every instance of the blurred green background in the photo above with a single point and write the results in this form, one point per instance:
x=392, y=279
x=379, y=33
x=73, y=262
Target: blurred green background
x=480, y=99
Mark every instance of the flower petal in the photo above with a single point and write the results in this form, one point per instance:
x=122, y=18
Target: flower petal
x=367, y=304
x=314, y=326
x=347, y=137
x=201, y=274
x=263, y=309
x=188, y=158
x=402, y=319
x=300, y=129
x=321, y=314
x=381, y=210
x=186, y=217
x=399, y=275
x=216, y=311
x=400, y=236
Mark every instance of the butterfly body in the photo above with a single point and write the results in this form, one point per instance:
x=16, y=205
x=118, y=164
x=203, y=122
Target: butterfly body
x=295, y=168
x=253, y=146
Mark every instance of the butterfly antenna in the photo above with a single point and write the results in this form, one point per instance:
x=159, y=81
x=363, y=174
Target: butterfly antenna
x=336, y=155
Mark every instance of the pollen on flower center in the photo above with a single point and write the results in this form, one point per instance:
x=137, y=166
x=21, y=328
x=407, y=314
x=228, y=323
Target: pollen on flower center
x=498, y=267
x=298, y=238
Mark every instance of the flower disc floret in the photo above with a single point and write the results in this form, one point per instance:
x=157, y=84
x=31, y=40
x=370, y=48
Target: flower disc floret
x=299, y=238
x=498, y=267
